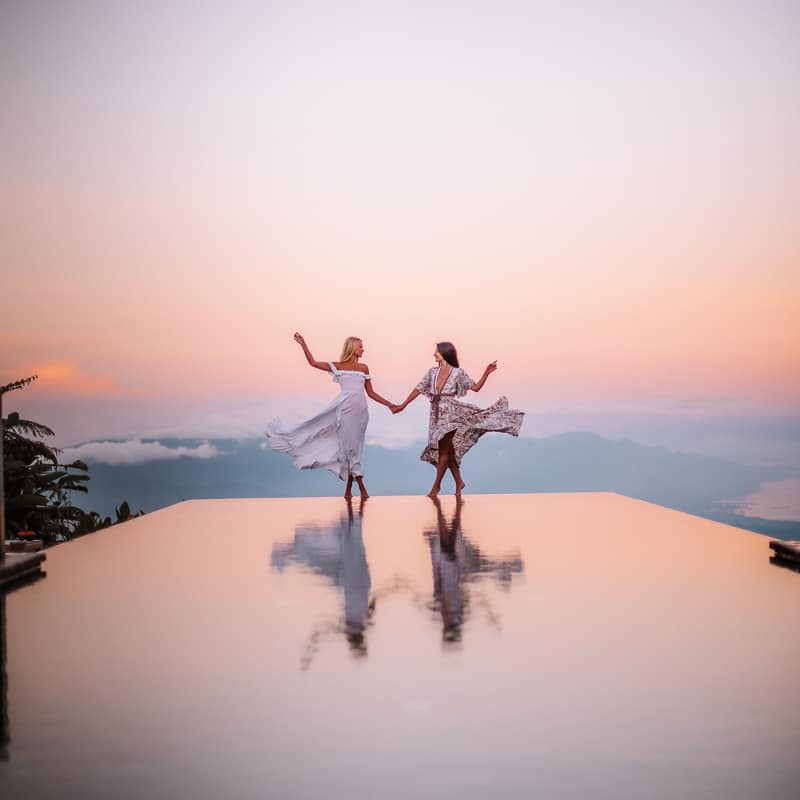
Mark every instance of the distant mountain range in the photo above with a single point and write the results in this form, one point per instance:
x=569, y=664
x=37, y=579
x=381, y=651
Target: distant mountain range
x=570, y=462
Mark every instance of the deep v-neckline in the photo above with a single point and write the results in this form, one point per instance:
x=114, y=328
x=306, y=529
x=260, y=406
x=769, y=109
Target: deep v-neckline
x=436, y=388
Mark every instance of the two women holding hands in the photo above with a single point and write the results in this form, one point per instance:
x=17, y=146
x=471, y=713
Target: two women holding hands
x=334, y=438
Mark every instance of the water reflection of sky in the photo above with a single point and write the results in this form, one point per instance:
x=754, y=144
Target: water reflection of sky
x=569, y=646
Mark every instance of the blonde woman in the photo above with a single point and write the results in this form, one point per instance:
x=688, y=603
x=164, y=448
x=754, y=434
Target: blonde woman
x=334, y=438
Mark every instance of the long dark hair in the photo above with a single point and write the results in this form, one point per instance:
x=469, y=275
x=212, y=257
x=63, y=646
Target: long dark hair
x=447, y=350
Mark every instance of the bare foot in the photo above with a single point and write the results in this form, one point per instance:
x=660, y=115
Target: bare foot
x=434, y=492
x=364, y=495
x=348, y=495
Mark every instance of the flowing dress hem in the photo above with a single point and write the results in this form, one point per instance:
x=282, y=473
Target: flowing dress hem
x=470, y=423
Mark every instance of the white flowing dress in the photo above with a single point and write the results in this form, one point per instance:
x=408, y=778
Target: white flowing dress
x=334, y=438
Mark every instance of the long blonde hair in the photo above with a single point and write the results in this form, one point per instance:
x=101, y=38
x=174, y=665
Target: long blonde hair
x=348, y=348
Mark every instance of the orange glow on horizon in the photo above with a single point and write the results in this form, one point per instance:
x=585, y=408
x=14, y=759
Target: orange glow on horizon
x=67, y=377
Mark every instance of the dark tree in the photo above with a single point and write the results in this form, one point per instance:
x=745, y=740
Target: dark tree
x=38, y=488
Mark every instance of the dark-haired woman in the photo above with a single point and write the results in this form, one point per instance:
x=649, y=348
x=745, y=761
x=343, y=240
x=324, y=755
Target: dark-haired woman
x=455, y=426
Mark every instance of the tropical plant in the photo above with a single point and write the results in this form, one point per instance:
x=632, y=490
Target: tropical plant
x=38, y=488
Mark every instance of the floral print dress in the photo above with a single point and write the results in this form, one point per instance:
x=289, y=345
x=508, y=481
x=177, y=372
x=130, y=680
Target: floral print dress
x=469, y=422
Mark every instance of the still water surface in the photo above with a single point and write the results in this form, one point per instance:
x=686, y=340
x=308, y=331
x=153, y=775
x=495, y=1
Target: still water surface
x=555, y=646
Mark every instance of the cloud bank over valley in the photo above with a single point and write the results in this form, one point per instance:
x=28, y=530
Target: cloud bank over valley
x=136, y=451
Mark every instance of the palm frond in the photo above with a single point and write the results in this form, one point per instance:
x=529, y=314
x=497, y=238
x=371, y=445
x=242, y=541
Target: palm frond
x=20, y=384
x=27, y=426
x=15, y=443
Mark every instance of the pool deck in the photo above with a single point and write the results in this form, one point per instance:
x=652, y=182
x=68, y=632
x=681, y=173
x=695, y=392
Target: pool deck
x=562, y=646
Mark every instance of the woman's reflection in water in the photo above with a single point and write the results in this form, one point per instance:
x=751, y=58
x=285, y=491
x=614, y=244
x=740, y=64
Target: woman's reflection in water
x=455, y=561
x=446, y=564
x=337, y=552
x=355, y=582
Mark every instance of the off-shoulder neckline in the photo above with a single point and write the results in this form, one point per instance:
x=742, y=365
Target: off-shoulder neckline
x=337, y=371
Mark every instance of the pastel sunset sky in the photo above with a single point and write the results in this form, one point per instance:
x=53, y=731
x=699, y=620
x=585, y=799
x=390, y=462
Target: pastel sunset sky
x=604, y=197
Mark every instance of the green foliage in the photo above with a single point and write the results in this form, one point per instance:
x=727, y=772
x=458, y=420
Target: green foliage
x=123, y=511
x=38, y=488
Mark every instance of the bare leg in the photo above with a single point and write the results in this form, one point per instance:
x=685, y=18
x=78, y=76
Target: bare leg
x=348, y=492
x=441, y=468
x=454, y=468
x=361, y=487
x=441, y=464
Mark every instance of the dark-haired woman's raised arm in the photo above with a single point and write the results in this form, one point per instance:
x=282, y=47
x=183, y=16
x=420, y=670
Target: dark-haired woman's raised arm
x=478, y=385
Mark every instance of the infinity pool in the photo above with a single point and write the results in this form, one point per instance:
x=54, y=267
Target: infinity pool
x=515, y=646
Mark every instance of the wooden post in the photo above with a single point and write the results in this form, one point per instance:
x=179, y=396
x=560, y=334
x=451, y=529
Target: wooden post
x=2, y=492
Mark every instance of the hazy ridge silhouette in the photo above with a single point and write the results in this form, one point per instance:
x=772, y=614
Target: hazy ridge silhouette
x=567, y=462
